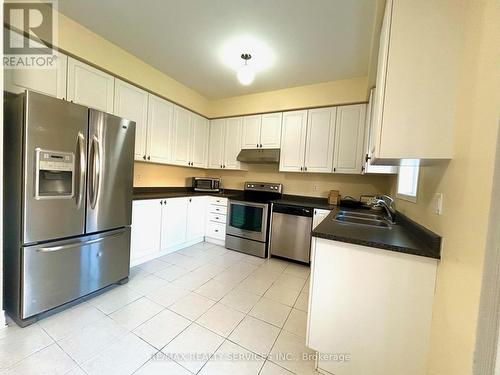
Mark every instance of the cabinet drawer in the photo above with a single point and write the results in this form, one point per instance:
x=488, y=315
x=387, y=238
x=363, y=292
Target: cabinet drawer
x=220, y=218
x=221, y=210
x=216, y=230
x=218, y=201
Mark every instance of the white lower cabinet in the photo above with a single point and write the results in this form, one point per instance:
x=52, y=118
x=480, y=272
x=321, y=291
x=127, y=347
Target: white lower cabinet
x=146, y=229
x=196, y=217
x=216, y=220
x=174, y=223
x=319, y=216
x=161, y=226
x=371, y=304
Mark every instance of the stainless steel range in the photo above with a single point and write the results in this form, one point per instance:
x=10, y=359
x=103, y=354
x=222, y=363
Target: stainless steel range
x=247, y=227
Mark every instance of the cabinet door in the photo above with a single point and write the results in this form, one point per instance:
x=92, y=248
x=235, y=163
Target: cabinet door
x=90, y=86
x=159, y=129
x=196, y=217
x=349, y=139
x=320, y=140
x=132, y=103
x=232, y=143
x=199, y=142
x=270, y=130
x=216, y=143
x=146, y=228
x=181, y=136
x=293, y=141
x=251, y=132
x=173, y=223
x=319, y=216
x=46, y=81
x=369, y=168
x=378, y=96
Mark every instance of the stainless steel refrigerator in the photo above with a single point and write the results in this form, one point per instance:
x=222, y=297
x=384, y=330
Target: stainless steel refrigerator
x=68, y=174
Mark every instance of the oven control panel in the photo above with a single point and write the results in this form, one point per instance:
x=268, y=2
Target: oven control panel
x=264, y=186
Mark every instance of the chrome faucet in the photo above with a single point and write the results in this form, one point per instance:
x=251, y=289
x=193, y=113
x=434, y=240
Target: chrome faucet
x=387, y=203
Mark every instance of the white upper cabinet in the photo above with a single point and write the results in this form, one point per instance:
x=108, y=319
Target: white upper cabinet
x=293, y=141
x=417, y=81
x=89, y=86
x=261, y=131
x=320, y=140
x=369, y=168
x=225, y=143
x=270, y=130
x=131, y=103
x=349, y=139
x=216, y=143
x=159, y=129
x=232, y=143
x=181, y=136
x=251, y=132
x=199, y=141
x=46, y=81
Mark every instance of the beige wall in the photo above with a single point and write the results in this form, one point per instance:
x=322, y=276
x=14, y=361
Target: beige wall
x=466, y=182
x=149, y=174
x=310, y=184
x=323, y=94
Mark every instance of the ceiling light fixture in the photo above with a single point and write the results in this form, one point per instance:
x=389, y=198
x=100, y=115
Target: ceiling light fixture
x=246, y=73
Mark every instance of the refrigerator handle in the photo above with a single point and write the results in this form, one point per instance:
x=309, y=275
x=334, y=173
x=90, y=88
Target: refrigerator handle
x=96, y=171
x=76, y=244
x=81, y=169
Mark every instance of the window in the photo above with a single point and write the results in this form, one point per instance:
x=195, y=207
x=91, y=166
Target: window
x=408, y=179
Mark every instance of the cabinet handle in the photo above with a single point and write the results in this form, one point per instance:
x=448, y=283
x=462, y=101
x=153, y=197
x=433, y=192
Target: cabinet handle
x=367, y=158
x=216, y=218
x=221, y=165
x=261, y=145
x=301, y=168
x=217, y=230
x=334, y=169
x=257, y=145
x=190, y=199
x=305, y=168
x=144, y=157
x=161, y=202
x=149, y=157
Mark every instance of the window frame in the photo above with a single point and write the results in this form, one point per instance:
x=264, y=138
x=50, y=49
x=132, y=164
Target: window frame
x=408, y=197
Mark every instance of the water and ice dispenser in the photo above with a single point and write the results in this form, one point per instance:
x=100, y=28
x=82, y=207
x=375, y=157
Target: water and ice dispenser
x=55, y=174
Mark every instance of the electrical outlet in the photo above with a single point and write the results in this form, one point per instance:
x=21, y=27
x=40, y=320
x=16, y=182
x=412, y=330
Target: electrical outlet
x=138, y=177
x=438, y=201
x=315, y=188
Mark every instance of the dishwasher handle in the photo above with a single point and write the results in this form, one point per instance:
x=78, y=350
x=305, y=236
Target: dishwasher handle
x=293, y=210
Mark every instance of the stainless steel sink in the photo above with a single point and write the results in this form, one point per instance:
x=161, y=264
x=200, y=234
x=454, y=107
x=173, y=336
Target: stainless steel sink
x=362, y=219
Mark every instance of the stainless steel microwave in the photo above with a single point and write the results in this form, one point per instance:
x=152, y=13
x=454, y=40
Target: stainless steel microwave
x=206, y=184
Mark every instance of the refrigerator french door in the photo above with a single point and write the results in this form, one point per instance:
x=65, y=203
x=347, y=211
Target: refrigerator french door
x=68, y=193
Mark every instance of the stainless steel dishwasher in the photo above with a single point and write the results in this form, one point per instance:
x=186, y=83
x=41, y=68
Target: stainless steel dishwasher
x=291, y=232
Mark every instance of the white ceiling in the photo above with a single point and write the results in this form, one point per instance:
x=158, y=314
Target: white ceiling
x=312, y=40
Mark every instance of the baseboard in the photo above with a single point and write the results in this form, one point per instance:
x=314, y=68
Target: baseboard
x=3, y=320
x=215, y=241
x=144, y=259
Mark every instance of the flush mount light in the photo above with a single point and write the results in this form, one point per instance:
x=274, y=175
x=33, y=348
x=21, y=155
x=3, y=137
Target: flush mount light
x=246, y=73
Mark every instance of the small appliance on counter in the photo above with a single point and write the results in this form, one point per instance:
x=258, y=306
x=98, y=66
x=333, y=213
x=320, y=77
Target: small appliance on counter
x=206, y=184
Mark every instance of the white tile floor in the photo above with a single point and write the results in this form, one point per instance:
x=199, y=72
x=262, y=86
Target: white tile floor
x=201, y=310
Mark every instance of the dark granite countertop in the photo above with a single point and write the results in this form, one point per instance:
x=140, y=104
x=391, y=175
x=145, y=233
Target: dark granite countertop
x=304, y=201
x=405, y=236
x=177, y=192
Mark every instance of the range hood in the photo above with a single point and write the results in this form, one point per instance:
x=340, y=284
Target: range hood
x=260, y=156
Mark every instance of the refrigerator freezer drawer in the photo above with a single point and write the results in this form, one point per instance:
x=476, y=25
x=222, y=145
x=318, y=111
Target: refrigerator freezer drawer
x=59, y=272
